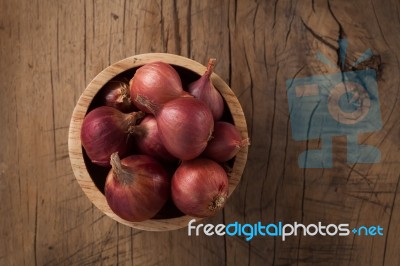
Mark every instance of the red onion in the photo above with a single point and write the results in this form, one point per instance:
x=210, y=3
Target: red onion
x=148, y=140
x=158, y=82
x=225, y=142
x=199, y=187
x=137, y=187
x=105, y=131
x=116, y=94
x=185, y=125
x=204, y=90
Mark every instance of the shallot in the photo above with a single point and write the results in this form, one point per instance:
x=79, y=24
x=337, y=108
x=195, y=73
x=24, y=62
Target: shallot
x=199, y=187
x=204, y=90
x=158, y=82
x=148, y=140
x=105, y=130
x=137, y=187
x=116, y=94
x=185, y=125
x=225, y=143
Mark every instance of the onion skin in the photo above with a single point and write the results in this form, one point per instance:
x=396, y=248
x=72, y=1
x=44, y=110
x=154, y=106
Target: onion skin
x=185, y=126
x=199, y=187
x=158, y=82
x=148, y=140
x=225, y=143
x=116, y=94
x=137, y=187
x=105, y=131
x=204, y=90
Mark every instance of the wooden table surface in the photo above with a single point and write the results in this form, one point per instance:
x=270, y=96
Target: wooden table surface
x=50, y=51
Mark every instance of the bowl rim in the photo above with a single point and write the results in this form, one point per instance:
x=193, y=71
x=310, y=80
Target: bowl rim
x=75, y=147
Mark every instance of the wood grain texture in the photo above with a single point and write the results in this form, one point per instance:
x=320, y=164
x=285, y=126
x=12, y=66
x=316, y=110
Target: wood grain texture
x=51, y=50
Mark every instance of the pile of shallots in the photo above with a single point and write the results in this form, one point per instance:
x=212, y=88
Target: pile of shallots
x=162, y=141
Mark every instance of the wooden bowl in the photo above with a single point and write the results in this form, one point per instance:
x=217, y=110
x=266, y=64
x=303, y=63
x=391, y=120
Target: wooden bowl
x=91, y=178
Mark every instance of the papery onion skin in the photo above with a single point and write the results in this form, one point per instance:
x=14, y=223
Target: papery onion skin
x=105, y=131
x=199, y=187
x=148, y=140
x=185, y=126
x=116, y=94
x=158, y=82
x=137, y=187
x=225, y=142
x=204, y=90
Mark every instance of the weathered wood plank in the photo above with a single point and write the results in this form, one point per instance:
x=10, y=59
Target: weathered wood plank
x=50, y=50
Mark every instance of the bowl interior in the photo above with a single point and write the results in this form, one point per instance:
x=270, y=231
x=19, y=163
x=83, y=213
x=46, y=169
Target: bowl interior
x=92, y=177
x=99, y=173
